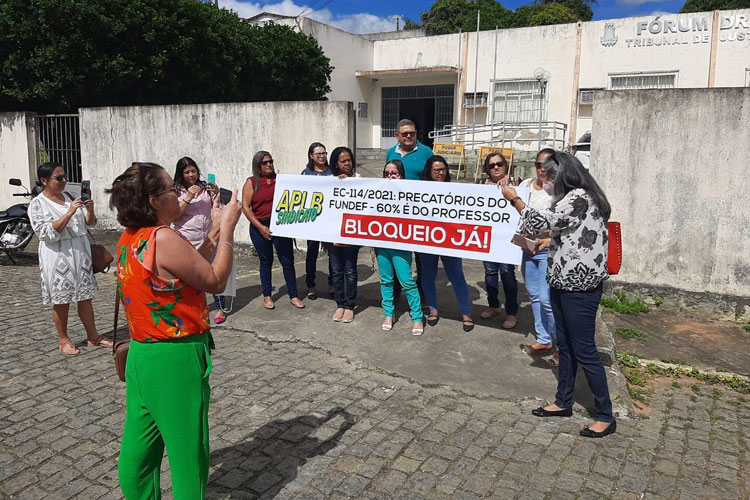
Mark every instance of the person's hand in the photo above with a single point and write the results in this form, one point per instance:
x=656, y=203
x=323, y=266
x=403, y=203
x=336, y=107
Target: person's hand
x=265, y=232
x=342, y=176
x=75, y=205
x=230, y=213
x=212, y=188
x=541, y=244
x=508, y=192
x=89, y=204
x=505, y=181
x=192, y=192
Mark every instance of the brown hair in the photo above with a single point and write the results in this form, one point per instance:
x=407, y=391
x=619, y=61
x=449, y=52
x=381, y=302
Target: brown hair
x=130, y=193
x=257, y=158
x=487, y=162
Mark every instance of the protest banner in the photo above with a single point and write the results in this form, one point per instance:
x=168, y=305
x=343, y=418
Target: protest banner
x=454, y=154
x=484, y=151
x=445, y=218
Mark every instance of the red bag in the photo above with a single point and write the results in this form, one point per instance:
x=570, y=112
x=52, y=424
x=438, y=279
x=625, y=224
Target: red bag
x=614, y=259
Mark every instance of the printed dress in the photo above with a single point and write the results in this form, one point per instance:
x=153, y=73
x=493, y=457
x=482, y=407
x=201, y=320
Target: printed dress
x=157, y=308
x=64, y=258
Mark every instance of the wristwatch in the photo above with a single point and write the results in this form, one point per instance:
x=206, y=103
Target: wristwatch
x=514, y=200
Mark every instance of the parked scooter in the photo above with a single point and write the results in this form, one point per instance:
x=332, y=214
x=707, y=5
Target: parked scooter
x=15, y=226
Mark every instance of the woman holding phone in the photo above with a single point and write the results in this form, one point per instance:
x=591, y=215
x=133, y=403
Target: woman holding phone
x=194, y=219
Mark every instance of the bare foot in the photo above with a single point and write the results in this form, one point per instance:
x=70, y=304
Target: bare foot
x=599, y=426
x=338, y=315
x=553, y=407
x=348, y=316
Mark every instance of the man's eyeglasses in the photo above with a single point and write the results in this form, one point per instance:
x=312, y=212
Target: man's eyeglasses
x=408, y=134
x=495, y=165
x=266, y=162
x=173, y=189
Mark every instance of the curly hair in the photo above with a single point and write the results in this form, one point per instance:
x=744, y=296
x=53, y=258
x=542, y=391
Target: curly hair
x=130, y=193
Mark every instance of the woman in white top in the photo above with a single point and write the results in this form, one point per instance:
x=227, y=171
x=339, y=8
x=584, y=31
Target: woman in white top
x=65, y=255
x=534, y=267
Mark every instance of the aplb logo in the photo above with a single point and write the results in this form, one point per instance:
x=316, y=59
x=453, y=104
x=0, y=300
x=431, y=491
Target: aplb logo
x=292, y=207
x=609, y=39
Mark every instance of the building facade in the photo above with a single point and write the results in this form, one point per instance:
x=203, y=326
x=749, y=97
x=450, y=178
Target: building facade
x=524, y=85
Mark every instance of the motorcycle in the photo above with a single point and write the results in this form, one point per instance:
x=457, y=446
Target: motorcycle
x=15, y=226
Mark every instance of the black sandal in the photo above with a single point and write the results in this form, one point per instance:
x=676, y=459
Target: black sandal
x=468, y=325
x=433, y=319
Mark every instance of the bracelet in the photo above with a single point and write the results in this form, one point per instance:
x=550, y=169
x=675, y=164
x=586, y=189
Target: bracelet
x=514, y=200
x=225, y=243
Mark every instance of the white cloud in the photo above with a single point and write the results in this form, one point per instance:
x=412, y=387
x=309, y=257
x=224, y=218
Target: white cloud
x=354, y=23
x=660, y=13
x=636, y=3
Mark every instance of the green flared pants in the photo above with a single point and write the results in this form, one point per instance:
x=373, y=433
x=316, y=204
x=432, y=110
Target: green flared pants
x=167, y=405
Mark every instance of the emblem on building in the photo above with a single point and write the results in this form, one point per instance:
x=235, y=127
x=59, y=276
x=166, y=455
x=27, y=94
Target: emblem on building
x=610, y=38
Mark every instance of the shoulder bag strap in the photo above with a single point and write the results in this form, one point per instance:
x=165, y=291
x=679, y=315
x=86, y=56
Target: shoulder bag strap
x=117, y=312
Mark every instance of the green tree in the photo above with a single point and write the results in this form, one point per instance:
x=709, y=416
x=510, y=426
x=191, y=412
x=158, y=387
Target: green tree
x=411, y=25
x=581, y=9
x=58, y=55
x=555, y=13
x=708, y=5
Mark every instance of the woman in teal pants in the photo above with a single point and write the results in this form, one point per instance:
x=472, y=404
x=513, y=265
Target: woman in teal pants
x=397, y=264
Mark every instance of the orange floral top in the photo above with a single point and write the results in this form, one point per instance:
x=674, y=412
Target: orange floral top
x=157, y=308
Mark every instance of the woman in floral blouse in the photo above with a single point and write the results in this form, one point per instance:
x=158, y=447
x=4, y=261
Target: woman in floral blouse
x=162, y=280
x=576, y=269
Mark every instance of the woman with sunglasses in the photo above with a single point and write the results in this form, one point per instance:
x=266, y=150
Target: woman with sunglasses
x=577, y=222
x=65, y=262
x=436, y=169
x=162, y=281
x=257, y=205
x=534, y=266
x=497, y=170
x=194, y=219
x=397, y=263
x=317, y=164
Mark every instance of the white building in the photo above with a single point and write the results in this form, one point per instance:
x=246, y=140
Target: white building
x=545, y=73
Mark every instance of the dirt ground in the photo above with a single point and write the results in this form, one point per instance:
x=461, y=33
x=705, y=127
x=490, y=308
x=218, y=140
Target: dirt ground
x=685, y=337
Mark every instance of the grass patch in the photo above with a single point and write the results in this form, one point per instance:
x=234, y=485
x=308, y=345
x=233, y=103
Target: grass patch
x=638, y=393
x=746, y=328
x=622, y=304
x=631, y=333
x=635, y=377
x=675, y=384
x=695, y=388
x=716, y=394
x=740, y=405
x=628, y=359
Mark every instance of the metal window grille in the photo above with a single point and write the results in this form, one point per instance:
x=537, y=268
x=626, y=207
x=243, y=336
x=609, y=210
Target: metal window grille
x=747, y=77
x=586, y=96
x=392, y=96
x=58, y=140
x=640, y=81
x=519, y=101
x=475, y=100
x=362, y=110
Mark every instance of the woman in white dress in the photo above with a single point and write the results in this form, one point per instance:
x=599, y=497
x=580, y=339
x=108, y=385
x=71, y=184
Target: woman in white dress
x=65, y=255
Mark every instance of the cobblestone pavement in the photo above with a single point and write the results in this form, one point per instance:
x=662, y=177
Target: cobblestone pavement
x=291, y=421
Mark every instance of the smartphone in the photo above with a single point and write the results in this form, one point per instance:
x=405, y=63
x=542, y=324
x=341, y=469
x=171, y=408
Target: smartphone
x=523, y=242
x=85, y=190
x=225, y=195
x=211, y=178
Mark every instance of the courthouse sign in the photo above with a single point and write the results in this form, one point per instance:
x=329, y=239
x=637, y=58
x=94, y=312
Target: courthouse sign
x=444, y=218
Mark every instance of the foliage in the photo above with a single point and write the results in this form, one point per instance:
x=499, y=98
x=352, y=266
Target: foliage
x=634, y=377
x=638, y=393
x=628, y=359
x=58, y=55
x=709, y=5
x=450, y=16
x=631, y=333
x=746, y=328
x=411, y=25
x=623, y=305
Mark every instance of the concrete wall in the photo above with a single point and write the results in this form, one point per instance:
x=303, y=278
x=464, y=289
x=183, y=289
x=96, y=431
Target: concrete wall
x=16, y=155
x=672, y=164
x=221, y=138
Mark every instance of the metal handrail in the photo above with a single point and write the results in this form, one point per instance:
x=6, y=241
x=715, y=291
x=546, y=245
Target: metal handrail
x=462, y=134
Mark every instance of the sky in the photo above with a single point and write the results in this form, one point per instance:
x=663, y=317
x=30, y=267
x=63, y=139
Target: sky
x=367, y=16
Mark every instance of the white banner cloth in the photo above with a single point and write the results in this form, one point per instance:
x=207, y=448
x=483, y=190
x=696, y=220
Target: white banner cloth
x=470, y=221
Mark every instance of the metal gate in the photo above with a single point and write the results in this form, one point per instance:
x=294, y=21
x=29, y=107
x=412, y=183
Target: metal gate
x=58, y=140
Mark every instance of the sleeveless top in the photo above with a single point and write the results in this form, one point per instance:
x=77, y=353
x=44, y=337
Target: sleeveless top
x=262, y=203
x=157, y=308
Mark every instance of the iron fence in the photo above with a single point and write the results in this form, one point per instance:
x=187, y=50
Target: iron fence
x=58, y=140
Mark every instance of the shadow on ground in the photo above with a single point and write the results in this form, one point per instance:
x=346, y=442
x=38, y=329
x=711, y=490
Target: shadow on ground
x=271, y=459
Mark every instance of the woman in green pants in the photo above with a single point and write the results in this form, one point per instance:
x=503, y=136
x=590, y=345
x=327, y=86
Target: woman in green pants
x=394, y=264
x=162, y=280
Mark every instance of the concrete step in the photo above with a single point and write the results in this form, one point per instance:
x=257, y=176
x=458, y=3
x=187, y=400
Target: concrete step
x=371, y=154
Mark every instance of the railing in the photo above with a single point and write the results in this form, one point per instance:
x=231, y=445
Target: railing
x=495, y=134
x=58, y=140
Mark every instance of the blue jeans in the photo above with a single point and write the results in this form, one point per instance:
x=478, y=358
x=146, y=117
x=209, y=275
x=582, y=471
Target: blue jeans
x=575, y=323
x=344, y=275
x=311, y=264
x=534, y=269
x=454, y=270
x=510, y=286
x=285, y=251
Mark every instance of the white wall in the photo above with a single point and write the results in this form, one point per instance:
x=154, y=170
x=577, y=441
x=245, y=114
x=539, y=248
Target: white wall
x=422, y=52
x=16, y=155
x=733, y=48
x=671, y=163
x=221, y=138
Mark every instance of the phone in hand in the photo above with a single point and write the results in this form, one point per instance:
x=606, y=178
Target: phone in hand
x=85, y=190
x=225, y=195
x=211, y=178
x=524, y=243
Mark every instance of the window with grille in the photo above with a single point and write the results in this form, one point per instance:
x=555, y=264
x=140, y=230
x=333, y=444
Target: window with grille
x=522, y=100
x=362, y=110
x=638, y=81
x=586, y=102
x=475, y=100
x=393, y=97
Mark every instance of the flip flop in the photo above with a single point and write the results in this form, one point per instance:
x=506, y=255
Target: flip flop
x=101, y=340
